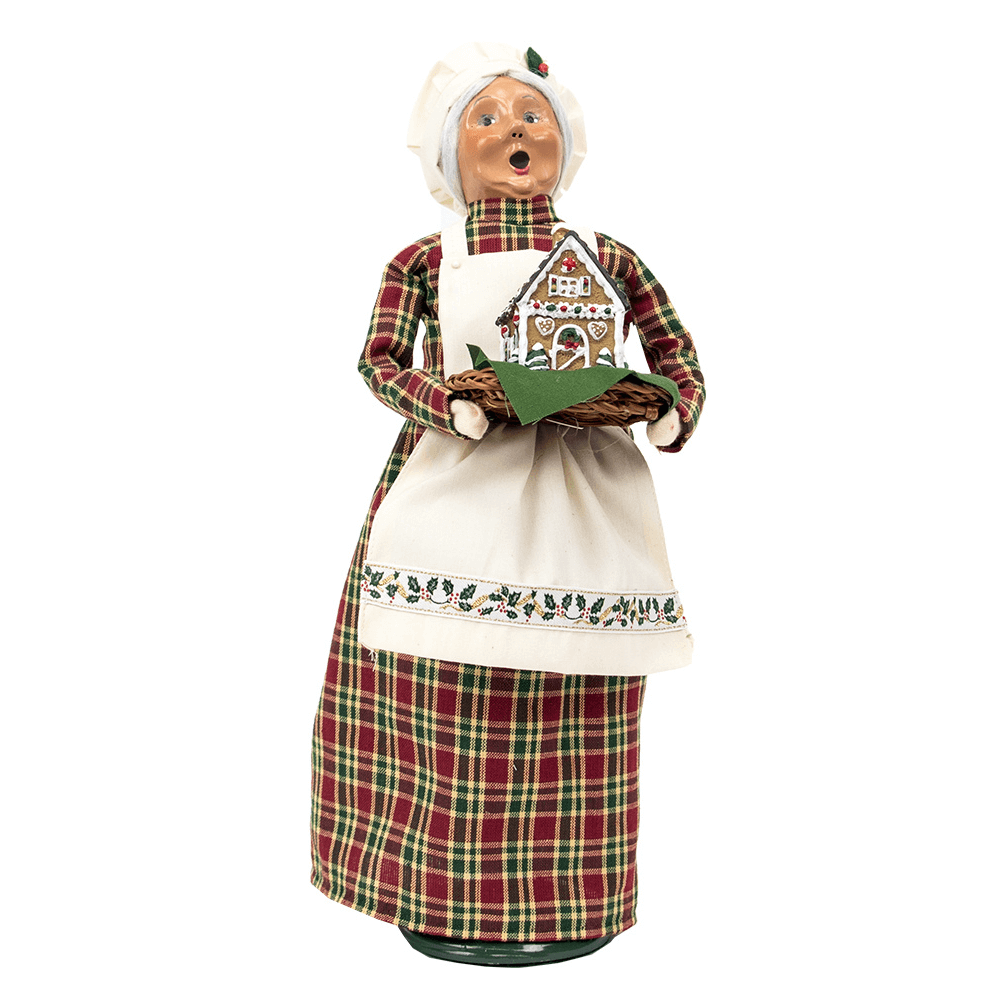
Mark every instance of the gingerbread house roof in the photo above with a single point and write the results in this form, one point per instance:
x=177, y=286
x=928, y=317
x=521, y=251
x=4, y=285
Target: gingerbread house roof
x=599, y=271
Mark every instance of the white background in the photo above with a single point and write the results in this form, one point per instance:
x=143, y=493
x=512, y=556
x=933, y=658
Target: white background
x=197, y=201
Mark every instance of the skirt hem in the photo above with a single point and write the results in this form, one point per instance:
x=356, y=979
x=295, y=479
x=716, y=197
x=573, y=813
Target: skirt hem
x=325, y=886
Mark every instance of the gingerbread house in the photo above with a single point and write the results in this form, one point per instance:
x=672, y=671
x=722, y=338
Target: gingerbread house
x=569, y=314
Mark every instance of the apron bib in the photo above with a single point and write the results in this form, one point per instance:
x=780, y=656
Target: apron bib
x=535, y=548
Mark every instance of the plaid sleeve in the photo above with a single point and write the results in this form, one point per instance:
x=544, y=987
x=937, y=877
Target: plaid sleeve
x=667, y=345
x=386, y=363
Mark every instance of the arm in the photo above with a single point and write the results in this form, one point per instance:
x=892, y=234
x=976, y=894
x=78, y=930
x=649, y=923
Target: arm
x=386, y=363
x=667, y=345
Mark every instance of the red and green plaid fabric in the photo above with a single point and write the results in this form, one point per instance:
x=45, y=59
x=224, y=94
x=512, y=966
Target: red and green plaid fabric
x=462, y=800
x=478, y=802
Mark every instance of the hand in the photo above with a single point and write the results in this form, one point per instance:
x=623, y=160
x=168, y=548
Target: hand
x=665, y=431
x=469, y=419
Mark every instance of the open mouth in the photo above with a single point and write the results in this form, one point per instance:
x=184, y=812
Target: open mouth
x=519, y=161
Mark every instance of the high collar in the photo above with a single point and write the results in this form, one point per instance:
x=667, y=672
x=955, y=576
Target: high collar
x=537, y=211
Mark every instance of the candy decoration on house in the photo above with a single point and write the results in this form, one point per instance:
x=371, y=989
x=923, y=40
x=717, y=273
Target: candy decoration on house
x=568, y=315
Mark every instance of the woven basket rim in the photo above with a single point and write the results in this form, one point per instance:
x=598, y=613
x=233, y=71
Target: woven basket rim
x=626, y=402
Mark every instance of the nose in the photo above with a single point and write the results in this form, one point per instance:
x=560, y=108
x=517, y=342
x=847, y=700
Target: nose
x=515, y=125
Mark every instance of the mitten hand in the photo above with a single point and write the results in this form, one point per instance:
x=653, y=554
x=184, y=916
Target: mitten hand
x=468, y=418
x=665, y=431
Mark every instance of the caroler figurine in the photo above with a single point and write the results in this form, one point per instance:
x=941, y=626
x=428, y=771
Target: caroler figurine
x=476, y=746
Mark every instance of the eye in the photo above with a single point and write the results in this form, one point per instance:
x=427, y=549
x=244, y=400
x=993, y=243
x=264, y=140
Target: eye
x=486, y=120
x=530, y=117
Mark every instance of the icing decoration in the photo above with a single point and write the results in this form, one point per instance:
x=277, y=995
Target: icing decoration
x=571, y=338
x=517, y=604
x=576, y=307
x=537, y=358
x=566, y=287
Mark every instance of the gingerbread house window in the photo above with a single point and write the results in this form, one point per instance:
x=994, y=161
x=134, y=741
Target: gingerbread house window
x=569, y=288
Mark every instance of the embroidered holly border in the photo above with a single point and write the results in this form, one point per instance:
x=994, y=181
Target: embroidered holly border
x=499, y=602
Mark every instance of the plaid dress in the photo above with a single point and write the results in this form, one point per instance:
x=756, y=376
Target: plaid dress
x=462, y=800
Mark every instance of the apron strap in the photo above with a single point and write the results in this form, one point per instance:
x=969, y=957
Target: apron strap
x=453, y=242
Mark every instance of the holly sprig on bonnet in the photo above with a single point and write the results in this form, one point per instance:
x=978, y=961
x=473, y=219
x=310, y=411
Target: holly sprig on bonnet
x=536, y=64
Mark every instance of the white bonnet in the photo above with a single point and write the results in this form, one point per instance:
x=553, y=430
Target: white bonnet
x=448, y=81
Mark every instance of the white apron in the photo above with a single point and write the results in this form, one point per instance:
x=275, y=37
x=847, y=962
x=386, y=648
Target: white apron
x=536, y=548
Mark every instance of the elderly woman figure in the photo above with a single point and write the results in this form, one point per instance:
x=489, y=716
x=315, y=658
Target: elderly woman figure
x=475, y=766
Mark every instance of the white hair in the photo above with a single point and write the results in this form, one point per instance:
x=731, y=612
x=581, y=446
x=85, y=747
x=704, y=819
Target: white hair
x=449, y=135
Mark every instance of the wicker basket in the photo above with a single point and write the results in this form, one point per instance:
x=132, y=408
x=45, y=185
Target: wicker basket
x=626, y=402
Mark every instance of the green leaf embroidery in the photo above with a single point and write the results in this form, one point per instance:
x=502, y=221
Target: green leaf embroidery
x=527, y=606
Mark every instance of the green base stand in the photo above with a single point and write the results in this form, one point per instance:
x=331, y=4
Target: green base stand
x=510, y=953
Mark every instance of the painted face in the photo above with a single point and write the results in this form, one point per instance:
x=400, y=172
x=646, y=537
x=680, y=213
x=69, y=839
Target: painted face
x=509, y=144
